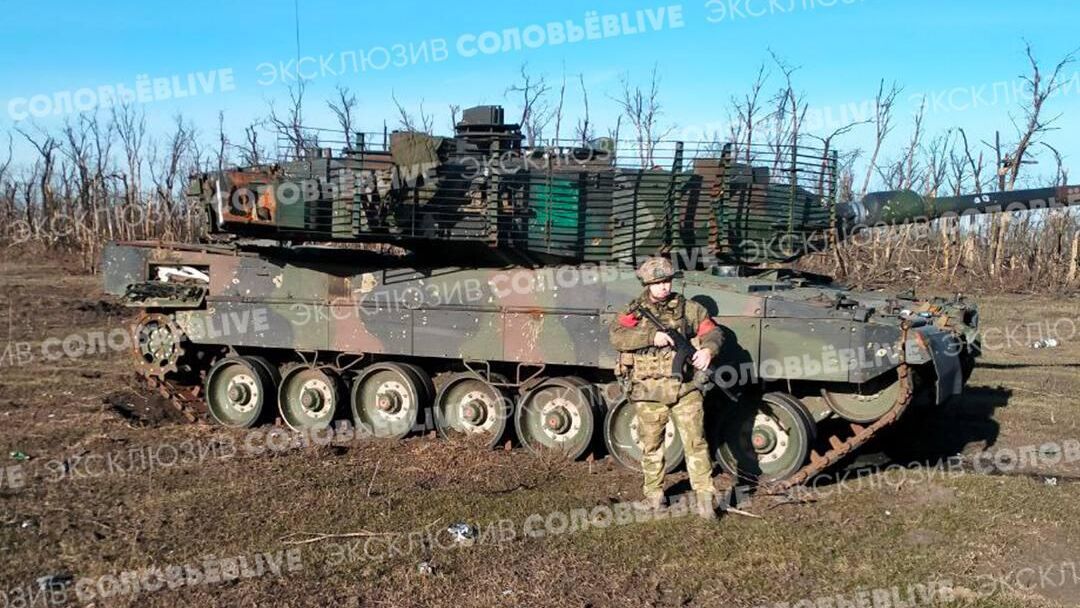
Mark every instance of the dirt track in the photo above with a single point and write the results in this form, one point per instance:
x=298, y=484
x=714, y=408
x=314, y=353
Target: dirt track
x=115, y=484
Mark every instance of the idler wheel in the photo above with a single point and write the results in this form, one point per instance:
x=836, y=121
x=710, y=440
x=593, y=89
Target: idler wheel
x=866, y=402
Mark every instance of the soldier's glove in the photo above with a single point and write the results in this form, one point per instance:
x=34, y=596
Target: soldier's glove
x=704, y=382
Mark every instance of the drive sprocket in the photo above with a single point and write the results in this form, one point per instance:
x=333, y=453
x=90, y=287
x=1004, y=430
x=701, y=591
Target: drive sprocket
x=159, y=345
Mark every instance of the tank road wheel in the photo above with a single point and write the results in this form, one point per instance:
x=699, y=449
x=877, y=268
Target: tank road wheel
x=159, y=344
x=621, y=438
x=238, y=388
x=271, y=370
x=308, y=398
x=765, y=441
x=559, y=414
x=867, y=402
x=387, y=399
x=427, y=394
x=470, y=405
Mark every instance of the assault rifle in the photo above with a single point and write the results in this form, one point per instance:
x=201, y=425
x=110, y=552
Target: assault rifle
x=683, y=364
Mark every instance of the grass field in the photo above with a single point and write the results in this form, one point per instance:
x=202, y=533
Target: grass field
x=890, y=534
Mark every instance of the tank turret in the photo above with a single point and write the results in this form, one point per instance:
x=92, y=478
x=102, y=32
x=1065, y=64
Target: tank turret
x=499, y=200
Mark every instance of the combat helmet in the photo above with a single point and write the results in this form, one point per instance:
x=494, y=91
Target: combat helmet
x=656, y=270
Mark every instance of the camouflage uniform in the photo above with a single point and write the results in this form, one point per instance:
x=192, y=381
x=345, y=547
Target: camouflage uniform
x=658, y=394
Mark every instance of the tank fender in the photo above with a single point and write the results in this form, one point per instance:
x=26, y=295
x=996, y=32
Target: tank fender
x=945, y=355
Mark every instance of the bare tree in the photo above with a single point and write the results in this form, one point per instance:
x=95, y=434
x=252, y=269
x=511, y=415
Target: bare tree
x=78, y=152
x=883, y=108
x=251, y=152
x=824, y=170
x=1028, y=134
x=535, y=113
x=826, y=142
x=290, y=126
x=103, y=142
x=223, y=143
x=789, y=112
x=29, y=181
x=747, y=111
x=642, y=108
x=7, y=192
x=130, y=126
x=901, y=173
x=937, y=164
x=408, y=122
x=559, y=108
x=976, y=166
x=47, y=147
x=614, y=133
x=7, y=163
x=343, y=108
x=1034, y=124
x=584, y=130
x=1061, y=174
x=911, y=153
x=86, y=148
x=455, y=111
x=164, y=172
x=4, y=167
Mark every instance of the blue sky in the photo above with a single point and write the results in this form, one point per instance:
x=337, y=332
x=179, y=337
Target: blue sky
x=844, y=47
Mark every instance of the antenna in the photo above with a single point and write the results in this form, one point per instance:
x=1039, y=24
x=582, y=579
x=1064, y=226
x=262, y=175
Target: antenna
x=296, y=10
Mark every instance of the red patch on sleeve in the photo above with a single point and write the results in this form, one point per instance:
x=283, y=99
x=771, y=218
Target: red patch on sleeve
x=705, y=327
x=628, y=320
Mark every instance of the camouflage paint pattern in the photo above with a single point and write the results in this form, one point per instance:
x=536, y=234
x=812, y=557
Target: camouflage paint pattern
x=689, y=416
x=338, y=301
x=657, y=392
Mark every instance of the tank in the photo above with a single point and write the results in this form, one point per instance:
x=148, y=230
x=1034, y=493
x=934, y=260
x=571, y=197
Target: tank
x=465, y=284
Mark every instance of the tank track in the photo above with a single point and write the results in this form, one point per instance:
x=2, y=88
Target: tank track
x=187, y=399
x=838, y=449
x=189, y=402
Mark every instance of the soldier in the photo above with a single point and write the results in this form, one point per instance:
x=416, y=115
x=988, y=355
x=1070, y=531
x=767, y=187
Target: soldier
x=655, y=391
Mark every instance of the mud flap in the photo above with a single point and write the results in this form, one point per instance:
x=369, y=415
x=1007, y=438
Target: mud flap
x=944, y=354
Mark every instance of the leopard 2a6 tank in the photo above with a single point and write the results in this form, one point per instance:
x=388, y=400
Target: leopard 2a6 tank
x=466, y=284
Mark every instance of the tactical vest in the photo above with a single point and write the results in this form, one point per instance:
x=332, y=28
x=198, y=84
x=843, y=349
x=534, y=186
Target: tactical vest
x=654, y=363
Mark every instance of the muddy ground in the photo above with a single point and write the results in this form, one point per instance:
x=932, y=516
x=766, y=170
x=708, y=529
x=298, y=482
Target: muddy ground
x=113, y=483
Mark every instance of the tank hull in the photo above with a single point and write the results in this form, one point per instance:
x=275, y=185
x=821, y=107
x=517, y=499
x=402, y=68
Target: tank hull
x=517, y=327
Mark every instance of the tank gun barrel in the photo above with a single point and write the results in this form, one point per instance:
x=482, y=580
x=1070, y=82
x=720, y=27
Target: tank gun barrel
x=907, y=207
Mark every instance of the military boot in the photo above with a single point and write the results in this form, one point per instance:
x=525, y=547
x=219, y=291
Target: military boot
x=705, y=508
